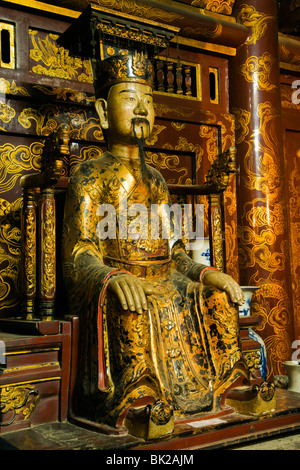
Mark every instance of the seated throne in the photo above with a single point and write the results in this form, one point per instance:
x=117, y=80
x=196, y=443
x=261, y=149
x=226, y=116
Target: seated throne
x=42, y=345
x=44, y=307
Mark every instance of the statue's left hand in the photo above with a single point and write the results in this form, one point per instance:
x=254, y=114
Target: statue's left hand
x=226, y=283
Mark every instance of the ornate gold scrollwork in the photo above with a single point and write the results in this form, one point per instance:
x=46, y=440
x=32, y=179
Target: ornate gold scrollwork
x=56, y=147
x=28, y=253
x=221, y=169
x=217, y=6
x=257, y=21
x=218, y=177
x=252, y=359
x=257, y=70
x=266, y=390
x=17, y=399
x=54, y=61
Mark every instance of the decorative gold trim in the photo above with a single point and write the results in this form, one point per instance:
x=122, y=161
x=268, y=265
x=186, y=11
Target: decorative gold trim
x=34, y=4
x=11, y=30
x=287, y=66
x=128, y=16
x=18, y=400
x=48, y=244
x=31, y=351
x=30, y=366
x=215, y=72
x=28, y=382
x=226, y=50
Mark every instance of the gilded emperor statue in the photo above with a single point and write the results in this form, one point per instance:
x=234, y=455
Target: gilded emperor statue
x=159, y=333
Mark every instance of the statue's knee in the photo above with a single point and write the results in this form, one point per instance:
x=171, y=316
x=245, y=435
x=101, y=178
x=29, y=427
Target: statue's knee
x=217, y=297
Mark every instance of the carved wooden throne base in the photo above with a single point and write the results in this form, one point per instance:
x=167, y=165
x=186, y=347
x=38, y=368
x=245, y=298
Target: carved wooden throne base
x=36, y=382
x=212, y=432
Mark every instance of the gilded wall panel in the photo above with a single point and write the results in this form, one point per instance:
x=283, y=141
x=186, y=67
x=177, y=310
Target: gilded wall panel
x=42, y=119
x=17, y=157
x=46, y=58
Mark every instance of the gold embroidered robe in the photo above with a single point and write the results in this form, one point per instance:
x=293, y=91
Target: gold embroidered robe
x=184, y=350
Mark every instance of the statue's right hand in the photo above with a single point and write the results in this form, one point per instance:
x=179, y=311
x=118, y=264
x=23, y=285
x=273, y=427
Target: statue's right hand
x=130, y=291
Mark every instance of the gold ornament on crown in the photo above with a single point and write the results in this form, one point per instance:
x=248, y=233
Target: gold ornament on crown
x=140, y=65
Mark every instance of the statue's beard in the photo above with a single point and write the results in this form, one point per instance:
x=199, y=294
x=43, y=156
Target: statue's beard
x=141, y=142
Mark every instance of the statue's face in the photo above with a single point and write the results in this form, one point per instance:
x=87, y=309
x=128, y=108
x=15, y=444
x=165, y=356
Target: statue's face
x=129, y=110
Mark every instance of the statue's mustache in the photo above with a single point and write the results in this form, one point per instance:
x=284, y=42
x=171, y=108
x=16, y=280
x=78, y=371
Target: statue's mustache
x=139, y=121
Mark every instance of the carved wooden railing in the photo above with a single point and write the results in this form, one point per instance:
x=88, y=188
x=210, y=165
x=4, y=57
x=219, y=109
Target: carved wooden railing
x=176, y=77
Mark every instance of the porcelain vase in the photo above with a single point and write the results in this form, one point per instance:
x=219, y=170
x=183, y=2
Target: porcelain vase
x=201, y=251
x=293, y=370
x=248, y=291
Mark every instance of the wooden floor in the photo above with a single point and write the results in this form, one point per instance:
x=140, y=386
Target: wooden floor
x=290, y=441
x=224, y=431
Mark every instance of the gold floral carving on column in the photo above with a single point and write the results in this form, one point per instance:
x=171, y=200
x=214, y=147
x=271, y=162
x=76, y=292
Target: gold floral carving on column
x=252, y=359
x=242, y=120
x=272, y=304
x=265, y=212
x=257, y=70
x=217, y=232
x=257, y=21
x=265, y=179
x=28, y=224
x=17, y=400
x=48, y=252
